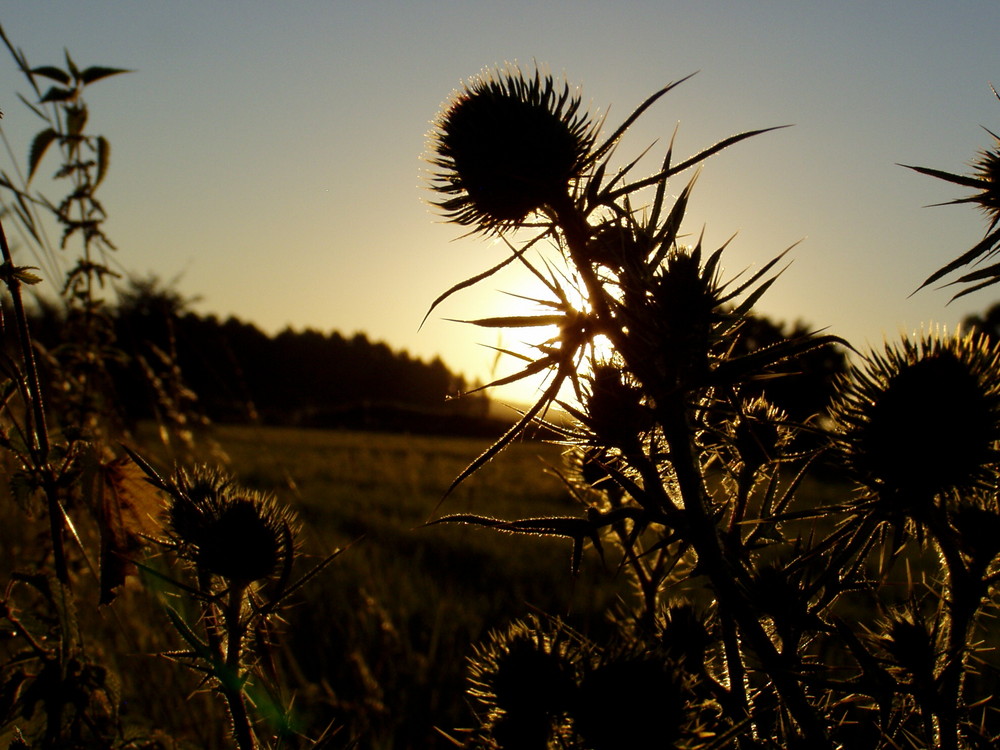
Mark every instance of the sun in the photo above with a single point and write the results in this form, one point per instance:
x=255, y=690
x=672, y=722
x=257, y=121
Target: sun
x=538, y=316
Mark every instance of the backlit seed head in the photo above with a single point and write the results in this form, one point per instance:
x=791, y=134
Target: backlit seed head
x=911, y=642
x=923, y=418
x=507, y=145
x=227, y=531
x=630, y=701
x=525, y=676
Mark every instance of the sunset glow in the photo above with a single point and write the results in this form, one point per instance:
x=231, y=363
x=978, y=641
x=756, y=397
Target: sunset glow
x=269, y=161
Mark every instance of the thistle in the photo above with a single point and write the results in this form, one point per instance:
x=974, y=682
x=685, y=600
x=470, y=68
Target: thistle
x=226, y=531
x=985, y=180
x=526, y=678
x=507, y=146
x=923, y=418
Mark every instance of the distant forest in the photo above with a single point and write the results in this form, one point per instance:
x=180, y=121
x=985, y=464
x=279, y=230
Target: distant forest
x=232, y=372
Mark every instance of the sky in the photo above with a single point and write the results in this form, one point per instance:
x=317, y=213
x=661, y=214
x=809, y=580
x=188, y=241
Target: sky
x=268, y=158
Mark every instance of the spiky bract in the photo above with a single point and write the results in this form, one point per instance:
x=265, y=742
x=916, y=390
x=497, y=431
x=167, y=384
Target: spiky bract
x=986, y=173
x=506, y=146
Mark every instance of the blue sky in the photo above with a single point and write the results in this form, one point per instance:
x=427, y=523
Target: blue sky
x=267, y=156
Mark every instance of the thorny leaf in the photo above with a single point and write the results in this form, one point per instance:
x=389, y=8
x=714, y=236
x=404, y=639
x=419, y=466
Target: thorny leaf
x=576, y=529
x=516, y=321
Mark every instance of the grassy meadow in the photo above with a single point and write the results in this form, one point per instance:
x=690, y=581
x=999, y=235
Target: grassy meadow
x=379, y=640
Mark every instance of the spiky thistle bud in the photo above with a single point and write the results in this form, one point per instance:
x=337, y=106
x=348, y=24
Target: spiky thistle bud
x=758, y=434
x=614, y=408
x=922, y=418
x=526, y=677
x=506, y=146
x=911, y=643
x=226, y=530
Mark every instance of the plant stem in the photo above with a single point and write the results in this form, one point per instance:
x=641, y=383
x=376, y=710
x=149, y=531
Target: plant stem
x=232, y=680
x=702, y=532
x=705, y=540
x=965, y=593
x=37, y=428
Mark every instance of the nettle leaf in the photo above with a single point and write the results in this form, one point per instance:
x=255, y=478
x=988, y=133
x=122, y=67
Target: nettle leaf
x=57, y=94
x=76, y=119
x=73, y=70
x=38, y=148
x=130, y=510
x=103, y=158
x=97, y=72
x=53, y=73
x=26, y=276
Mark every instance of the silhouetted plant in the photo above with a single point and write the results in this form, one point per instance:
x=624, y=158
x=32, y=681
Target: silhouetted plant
x=238, y=547
x=985, y=180
x=760, y=619
x=234, y=548
x=81, y=357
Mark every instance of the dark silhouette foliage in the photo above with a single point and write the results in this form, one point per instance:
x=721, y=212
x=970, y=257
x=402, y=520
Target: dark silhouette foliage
x=307, y=378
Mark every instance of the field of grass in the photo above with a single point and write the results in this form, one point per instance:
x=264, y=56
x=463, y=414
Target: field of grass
x=377, y=643
x=379, y=640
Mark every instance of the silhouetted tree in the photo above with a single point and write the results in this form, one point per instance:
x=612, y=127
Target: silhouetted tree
x=987, y=323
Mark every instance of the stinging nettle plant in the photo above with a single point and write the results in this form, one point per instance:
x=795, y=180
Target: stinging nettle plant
x=227, y=553
x=827, y=592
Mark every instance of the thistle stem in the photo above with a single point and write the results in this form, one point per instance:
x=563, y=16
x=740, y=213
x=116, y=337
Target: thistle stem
x=704, y=537
x=232, y=679
x=702, y=532
x=965, y=592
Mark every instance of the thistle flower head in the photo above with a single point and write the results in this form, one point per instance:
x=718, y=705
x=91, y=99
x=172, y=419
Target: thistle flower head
x=630, y=700
x=526, y=677
x=923, y=418
x=911, y=640
x=685, y=317
x=759, y=433
x=228, y=531
x=685, y=637
x=507, y=145
x=986, y=173
x=614, y=409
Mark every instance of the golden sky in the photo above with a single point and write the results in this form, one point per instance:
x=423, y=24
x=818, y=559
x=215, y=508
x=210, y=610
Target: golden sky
x=267, y=156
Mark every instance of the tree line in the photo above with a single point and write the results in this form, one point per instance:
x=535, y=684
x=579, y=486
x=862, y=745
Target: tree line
x=230, y=371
